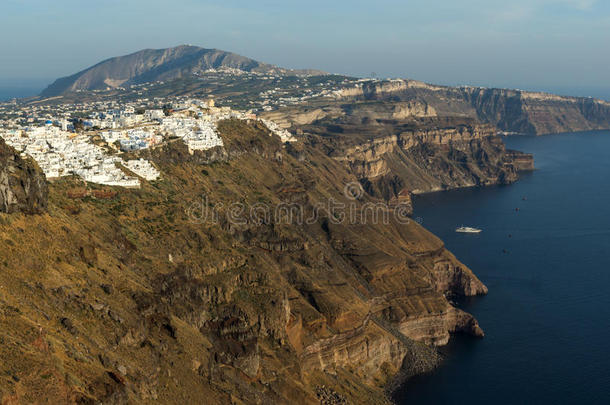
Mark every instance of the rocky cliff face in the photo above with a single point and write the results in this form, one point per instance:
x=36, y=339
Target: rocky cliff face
x=538, y=113
x=23, y=186
x=430, y=154
x=512, y=111
x=173, y=293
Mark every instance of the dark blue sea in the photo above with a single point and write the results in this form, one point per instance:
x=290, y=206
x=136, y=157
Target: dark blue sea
x=547, y=266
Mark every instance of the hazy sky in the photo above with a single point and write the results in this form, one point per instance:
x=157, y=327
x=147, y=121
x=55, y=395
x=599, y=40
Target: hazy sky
x=511, y=43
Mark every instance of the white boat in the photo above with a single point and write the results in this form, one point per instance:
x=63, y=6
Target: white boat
x=468, y=229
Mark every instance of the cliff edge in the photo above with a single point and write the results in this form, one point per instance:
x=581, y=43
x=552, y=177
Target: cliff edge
x=227, y=281
x=23, y=186
x=510, y=111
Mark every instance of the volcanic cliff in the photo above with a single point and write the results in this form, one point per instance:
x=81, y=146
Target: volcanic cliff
x=23, y=186
x=256, y=272
x=237, y=278
x=396, y=147
x=512, y=111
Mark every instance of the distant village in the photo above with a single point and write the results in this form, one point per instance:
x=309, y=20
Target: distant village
x=90, y=139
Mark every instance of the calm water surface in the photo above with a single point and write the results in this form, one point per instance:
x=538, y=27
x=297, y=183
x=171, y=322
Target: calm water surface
x=547, y=266
x=9, y=93
x=19, y=88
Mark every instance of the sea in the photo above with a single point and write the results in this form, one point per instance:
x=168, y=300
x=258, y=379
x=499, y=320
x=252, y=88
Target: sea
x=544, y=253
x=21, y=88
x=9, y=93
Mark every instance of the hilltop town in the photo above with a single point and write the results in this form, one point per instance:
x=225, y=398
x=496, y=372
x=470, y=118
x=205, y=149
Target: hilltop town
x=90, y=140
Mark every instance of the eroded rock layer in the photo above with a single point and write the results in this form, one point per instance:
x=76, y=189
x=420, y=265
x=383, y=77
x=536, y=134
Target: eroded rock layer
x=23, y=186
x=182, y=292
x=513, y=111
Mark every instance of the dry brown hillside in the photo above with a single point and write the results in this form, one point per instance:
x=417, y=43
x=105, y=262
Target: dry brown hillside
x=116, y=296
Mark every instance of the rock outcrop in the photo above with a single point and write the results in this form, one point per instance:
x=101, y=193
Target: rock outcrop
x=23, y=186
x=537, y=113
x=225, y=282
x=511, y=111
x=423, y=155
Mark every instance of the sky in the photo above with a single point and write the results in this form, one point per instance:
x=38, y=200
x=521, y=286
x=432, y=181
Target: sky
x=528, y=44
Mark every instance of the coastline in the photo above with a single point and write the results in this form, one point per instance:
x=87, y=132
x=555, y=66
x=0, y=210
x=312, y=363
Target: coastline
x=527, y=259
x=409, y=371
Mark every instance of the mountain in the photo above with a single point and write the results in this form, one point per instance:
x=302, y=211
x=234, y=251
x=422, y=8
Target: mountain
x=140, y=296
x=152, y=65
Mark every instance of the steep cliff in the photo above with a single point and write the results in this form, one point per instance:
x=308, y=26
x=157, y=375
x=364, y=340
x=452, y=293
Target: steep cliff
x=235, y=279
x=512, y=111
x=433, y=160
x=23, y=186
x=412, y=154
x=538, y=113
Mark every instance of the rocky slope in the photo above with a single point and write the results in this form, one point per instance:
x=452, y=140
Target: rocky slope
x=151, y=65
x=538, y=113
x=513, y=111
x=177, y=292
x=396, y=148
x=255, y=272
x=23, y=186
